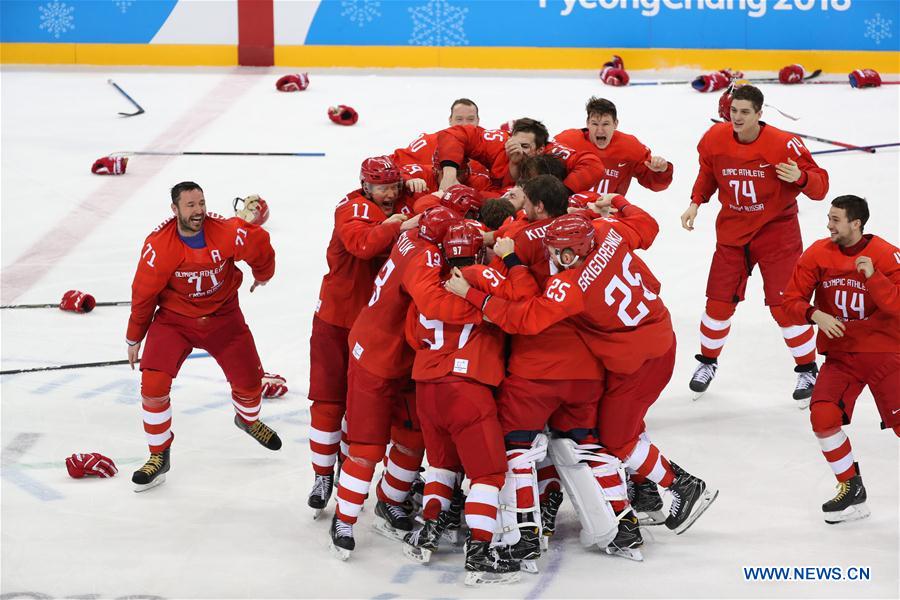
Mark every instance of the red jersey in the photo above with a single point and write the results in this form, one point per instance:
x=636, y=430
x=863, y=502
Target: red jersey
x=623, y=160
x=461, y=142
x=195, y=282
x=744, y=175
x=870, y=308
x=358, y=247
x=613, y=298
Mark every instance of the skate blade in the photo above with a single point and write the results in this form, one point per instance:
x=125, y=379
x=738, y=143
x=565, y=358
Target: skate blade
x=476, y=578
x=630, y=553
x=696, y=395
x=708, y=497
x=803, y=404
x=317, y=512
x=529, y=566
x=651, y=518
x=545, y=543
x=384, y=528
x=420, y=555
x=851, y=513
x=160, y=479
x=341, y=553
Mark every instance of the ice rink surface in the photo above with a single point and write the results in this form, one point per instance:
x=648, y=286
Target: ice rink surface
x=231, y=521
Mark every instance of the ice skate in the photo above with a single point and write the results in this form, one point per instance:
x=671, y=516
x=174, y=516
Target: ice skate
x=849, y=504
x=703, y=375
x=342, y=542
x=806, y=380
x=628, y=540
x=392, y=521
x=320, y=494
x=549, y=510
x=260, y=432
x=527, y=550
x=420, y=544
x=484, y=566
x=647, y=503
x=153, y=473
x=690, y=499
x=413, y=503
x=453, y=532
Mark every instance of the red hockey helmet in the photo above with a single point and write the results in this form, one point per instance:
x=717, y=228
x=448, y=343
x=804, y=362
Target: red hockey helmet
x=434, y=222
x=254, y=209
x=463, y=240
x=726, y=97
x=462, y=200
x=569, y=235
x=379, y=170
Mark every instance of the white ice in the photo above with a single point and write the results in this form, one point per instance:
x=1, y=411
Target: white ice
x=231, y=521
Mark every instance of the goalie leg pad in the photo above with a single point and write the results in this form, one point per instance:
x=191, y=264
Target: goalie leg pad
x=518, y=496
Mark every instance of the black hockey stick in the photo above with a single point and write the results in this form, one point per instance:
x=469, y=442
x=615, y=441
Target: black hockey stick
x=869, y=149
x=812, y=75
x=107, y=363
x=139, y=108
x=56, y=305
x=153, y=153
x=873, y=146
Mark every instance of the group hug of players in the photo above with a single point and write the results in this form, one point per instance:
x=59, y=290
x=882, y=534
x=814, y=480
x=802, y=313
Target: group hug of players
x=487, y=311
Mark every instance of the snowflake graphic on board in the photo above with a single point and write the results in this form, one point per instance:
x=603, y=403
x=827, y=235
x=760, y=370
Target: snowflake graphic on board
x=878, y=28
x=56, y=18
x=124, y=5
x=437, y=23
x=361, y=11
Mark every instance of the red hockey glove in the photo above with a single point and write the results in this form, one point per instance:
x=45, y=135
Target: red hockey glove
x=507, y=126
x=109, y=165
x=77, y=302
x=295, y=82
x=863, y=78
x=255, y=209
x=93, y=464
x=791, y=74
x=711, y=82
x=611, y=75
x=616, y=62
x=273, y=386
x=343, y=115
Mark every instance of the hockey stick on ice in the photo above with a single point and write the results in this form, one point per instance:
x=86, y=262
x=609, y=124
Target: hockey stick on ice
x=140, y=109
x=812, y=75
x=873, y=146
x=107, y=363
x=869, y=149
x=154, y=153
x=56, y=305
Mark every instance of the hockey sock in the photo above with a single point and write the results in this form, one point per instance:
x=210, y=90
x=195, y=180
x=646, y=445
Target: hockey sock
x=800, y=339
x=356, y=476
x=157, y=409
x=837, y=451
x=548, y=478
x=646, y=459
x=402, y=466
x=635, y=477
x=439, y=485
x=714, y=327
x=247, y=403
x=345, y=441
x=481, y=506
x=325, y=435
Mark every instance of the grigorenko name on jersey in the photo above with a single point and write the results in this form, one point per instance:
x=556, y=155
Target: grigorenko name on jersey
x=594, y=267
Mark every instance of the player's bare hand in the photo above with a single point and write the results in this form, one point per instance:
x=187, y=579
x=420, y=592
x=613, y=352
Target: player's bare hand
x=831, y=326
x=657, y=164
x=457, y=284
x=688, y=216
x=257, y=284
x=604, y=210
x=396, y=218
x=416, y=186
x=864, y=265
x=410, y=223
x=514, y=151
x=504, y=246
x=788, y=171
x=134, y=354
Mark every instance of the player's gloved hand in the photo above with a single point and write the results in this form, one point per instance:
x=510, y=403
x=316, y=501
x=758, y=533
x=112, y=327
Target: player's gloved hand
x=342, y=115
x=255, y=210
x=76, y=301
x=90, y=464
x=110, y=165
x=791, y=74
x=611, y=75
x=863, y=78
x=273, y=386
x=295, y=82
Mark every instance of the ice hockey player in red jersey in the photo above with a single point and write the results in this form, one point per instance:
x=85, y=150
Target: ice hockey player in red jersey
x=185, y=296
x=758, y=172
x=366, y=225
x=624, y=156
x=855, y=278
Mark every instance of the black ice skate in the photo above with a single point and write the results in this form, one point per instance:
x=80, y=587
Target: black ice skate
x=690, y=499
x=646, y=502
x=413, y=503
x=549, y=510
x=703, y=375
x=153, y=473
x=628, y=539
x=527, y=550
x=806, y=379
x=453, y=532
x=484, y=566
x=342, y=542
x=320, y=494
x=260, y=432
x=849, y=504
x=392, y=521
x=420, y=544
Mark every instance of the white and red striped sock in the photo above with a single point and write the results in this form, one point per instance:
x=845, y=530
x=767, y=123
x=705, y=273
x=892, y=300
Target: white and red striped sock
x=157, y=422
x=324, y=436
x=713, y=334
x=801, y=341
x=481, y=511
x=246, y=407
x=647, y=460
x=439, y=485
x=353, y=488
x=402, y=466
x=837, y=451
